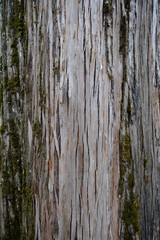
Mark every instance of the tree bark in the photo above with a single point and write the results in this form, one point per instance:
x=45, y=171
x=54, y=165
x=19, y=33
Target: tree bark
x=79, y=135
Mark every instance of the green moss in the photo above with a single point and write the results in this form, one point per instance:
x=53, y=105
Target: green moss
x=130, y=212
x=14, y=43
x=125, y=150
x=13, y=84
x=15, y=57
x=42, y=94
x=17, y=25
x=123, y=50
x=131, y=217
x=5, y=67
x=121, y=181
x=27, y=199
x=40, y=34
x=11, y=187
x=131, y=181
x=37, y=128
x=19, y=18
x=17, y=191
x=107, y=8
x=129, y=205
x=125, y=160
x=2, y=128
x=16, y=20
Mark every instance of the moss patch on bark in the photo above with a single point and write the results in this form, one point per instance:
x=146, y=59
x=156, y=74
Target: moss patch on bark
x=129, y=200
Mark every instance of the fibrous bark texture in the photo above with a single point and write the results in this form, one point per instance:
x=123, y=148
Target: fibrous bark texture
x=79, y=119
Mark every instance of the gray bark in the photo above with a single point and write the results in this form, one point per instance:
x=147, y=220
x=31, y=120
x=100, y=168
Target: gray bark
x=79, y=97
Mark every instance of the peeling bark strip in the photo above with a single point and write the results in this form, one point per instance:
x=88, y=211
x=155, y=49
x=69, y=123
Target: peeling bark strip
x=79, y=119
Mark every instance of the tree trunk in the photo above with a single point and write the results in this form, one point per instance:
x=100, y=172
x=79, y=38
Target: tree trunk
x=79, y=116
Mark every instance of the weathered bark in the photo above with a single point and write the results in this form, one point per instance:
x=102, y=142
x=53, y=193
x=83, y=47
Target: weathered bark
x=79, y=99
